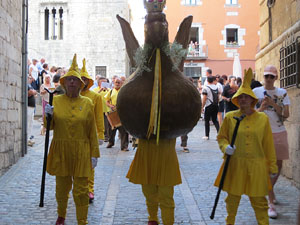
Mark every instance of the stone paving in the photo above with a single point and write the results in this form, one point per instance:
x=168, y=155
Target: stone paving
x=119, y=202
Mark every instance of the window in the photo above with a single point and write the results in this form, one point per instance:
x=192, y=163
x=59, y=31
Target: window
x=61, y=23
x=46, y=24
x=232, y=36
x=194, y=72
x=53, y=24
x=231, y=2
x=100, y=70
x=289, y=63
x=191, y=2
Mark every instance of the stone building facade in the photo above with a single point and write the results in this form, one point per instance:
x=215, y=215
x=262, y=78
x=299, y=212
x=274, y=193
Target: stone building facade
x=10, y=83
x=279, y=30
x=58, y=29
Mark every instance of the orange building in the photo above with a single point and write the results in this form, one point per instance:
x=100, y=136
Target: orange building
x=220, y=30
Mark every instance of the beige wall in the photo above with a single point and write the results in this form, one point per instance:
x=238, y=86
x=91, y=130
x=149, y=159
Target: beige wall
x=10, y=83
x=285, y=15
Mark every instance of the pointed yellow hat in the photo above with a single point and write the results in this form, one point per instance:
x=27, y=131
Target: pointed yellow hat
x=245, y=88
x=84, y=73
x=73, y=71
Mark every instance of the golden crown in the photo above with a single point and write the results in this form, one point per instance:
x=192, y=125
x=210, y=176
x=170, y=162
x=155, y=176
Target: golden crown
x=154, y=5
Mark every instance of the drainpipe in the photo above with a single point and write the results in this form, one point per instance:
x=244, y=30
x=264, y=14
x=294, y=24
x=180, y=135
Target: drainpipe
x=24, y=75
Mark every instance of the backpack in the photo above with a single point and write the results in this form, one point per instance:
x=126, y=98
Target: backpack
x=215, y=94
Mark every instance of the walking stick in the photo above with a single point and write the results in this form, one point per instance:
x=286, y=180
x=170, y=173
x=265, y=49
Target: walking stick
x=238, y=120
x=49, y=118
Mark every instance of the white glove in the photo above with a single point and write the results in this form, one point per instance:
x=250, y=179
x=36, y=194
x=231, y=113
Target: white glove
x=49, y=110
x=94, y=162
x=100, y=142
x=229, y=150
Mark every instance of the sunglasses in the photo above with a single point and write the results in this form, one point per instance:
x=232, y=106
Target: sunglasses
x=270, y=76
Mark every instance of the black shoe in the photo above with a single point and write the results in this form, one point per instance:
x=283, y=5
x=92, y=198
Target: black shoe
x=109, y=145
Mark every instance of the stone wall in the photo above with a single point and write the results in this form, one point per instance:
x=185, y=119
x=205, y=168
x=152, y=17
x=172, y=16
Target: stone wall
x=90, y=29
x=10, y=82
x=270, y=54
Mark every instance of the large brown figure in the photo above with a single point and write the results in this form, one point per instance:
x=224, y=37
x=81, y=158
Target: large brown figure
x=180, y=103
x=157, y=105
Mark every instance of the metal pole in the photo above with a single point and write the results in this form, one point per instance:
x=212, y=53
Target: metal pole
x=24, y=75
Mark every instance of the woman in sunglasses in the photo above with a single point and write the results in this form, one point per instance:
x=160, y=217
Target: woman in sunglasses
x=275, y=103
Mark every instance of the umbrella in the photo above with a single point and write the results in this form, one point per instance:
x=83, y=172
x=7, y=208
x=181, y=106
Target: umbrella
x=237, y=68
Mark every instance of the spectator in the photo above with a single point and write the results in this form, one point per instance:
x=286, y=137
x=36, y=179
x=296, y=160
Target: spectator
x=45, y=96
x=274, y=102
x=229, y=90
x=210, y=105
x=34, y=73
x=30, y=111
x=44, y=71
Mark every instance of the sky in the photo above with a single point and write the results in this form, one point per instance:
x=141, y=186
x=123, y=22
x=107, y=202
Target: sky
x=138, y=14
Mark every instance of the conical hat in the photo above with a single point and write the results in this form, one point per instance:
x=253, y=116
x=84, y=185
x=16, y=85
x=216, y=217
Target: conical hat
x=73, y=71
x=84, y=73
x=245, y=88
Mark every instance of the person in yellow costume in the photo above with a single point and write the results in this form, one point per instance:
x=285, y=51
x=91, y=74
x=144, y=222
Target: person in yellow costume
x=111, y=102
x=156, y=168
x=74, y=148
x=103, y=91
x=253, y=158
x=98, y=112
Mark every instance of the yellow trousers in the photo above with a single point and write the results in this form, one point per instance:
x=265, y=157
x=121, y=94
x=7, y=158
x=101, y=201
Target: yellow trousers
x=80, y=196
x=259, y=204
x=161, y=196
x=92, y=181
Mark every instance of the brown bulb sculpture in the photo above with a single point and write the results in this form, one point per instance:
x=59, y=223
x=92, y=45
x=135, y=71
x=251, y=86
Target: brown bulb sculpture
x=180, y=100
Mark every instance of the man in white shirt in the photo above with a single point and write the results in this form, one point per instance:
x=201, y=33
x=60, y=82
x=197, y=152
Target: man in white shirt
x=210, y=101
x=34, y=73
x=275, y=103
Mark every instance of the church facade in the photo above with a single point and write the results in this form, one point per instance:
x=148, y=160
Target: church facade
x=58, y=29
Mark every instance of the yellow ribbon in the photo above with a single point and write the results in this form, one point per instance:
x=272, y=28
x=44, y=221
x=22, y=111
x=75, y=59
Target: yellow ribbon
x=155, y=113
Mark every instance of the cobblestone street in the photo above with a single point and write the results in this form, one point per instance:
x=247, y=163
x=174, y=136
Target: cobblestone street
x=119, y=202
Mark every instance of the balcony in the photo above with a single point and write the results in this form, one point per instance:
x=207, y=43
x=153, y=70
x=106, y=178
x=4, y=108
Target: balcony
x=198, y=53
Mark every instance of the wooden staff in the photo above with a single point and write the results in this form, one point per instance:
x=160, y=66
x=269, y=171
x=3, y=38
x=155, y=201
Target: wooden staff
x=49, y=118
x=238, y=120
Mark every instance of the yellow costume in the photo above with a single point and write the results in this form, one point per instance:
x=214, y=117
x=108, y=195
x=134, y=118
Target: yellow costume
x=112, y=96
x=253, y=160
x=105, y=108
x=98, y=113
x=74, y=143
x=156, y=168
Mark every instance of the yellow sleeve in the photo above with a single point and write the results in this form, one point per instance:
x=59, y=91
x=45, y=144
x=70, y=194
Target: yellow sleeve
x=223, y=136
x=269, y=149
x=93, y=135
x=107, y=97
x=99, y=116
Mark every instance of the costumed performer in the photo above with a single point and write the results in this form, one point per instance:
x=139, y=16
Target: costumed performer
x=74, y=148
x=253, y=158
x=98, y=113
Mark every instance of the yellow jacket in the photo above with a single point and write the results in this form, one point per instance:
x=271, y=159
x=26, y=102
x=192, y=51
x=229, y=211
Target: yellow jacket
x=74, y=137
x=254, y=158
x=98, y=111
x=112, y=96
x=103, y=93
